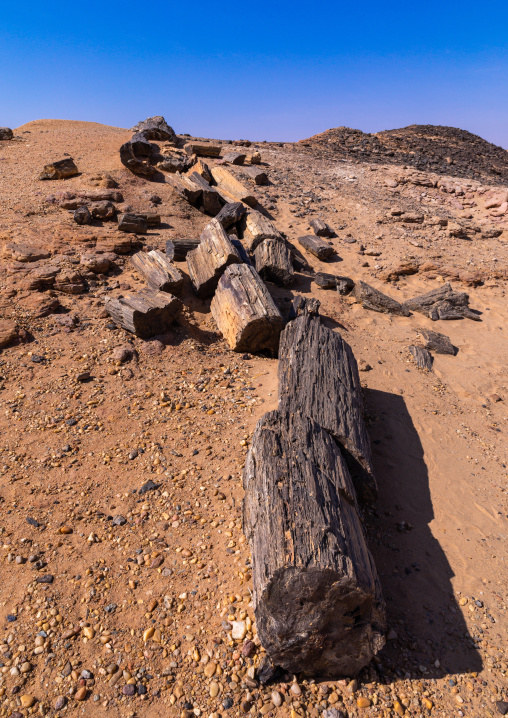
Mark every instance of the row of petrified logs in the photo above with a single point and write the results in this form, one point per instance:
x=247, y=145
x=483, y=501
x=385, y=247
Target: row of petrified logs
x=317, y=598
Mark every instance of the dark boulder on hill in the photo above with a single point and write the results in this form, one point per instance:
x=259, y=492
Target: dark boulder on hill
x=155, y=128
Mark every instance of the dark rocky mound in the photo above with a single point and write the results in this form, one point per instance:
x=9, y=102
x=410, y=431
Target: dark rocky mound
x=444, y=150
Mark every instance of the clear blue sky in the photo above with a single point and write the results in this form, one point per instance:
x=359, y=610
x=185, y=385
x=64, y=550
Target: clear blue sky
x=258, y=70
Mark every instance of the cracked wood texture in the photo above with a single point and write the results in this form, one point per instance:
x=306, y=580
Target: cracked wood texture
x=244, y=311
x=145, y=313
x=228, y=183
x=160, y=274
x=256, y=227
x=318, y=376
x=317, y=247
x=208, y=261
x=317, y=598
x=273, y=262
x=177, y=249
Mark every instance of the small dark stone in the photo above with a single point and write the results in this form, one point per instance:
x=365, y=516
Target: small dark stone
x=32, y=522
x=82, y=215
x=119, y=521
x=227, y=703
x=47, y=578
x=71, y=422
x=148, y=486
x=37, y=359
x=60, y=703
x=11, y=618
x=248, y=649
x=129, y=689
x=141, y=689
x=110, y=608
x=502, y=707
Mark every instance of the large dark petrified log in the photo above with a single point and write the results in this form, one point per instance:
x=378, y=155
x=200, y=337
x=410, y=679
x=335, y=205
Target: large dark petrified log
x=144, y=313
x=318, y=376
x=317, y=598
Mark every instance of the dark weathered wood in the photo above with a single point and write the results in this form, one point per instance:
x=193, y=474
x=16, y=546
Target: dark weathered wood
x=177, y=249
x=234, y=158
x=317, y=598
x=136, y=155
x=303, y=305
x=256, y=227
x=240, y=249
x=443, y=303
x=231, y=213
x=423, y=359
x=321, y=229
x=153, y=219
x=316, y=246
x=438, y=343
x=318, y=376
x=145, y=313
x=343, y=285
x=59, y=170
x=193, y=148
x=155, y=128
x=130, y=222
x=375, y=300
x=160, y=274
x=211, y=201
x=230, y=188
x=255, y=173
x=273, y=260
x=244, y=311
x=209, y=260
x=185, y=187
x=6, y=133
x=202, y=168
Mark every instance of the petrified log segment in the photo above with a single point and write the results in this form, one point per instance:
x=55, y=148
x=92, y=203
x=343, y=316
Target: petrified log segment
x=136, y=154
x=443, y=303
x=155, y=128
x=6, y=133
x=375, y=300
x=256, y=227
x=318, y=376
x=211, y=201
x=317, y=598
x=234, y=158
x=160, y=274
x=436, y=342
x=343, y=285
x=273, y=262
x=134, y=223
x=231, y=186
x=185, y=187
x=254, y=173
x=244, y=311
x=316, y=246
x=231, y=213
x=146, y=313
x=192, y=148
x=59, y=170
x=321, y=229
x=207, y=263
x=178, y=249
x=422, y=357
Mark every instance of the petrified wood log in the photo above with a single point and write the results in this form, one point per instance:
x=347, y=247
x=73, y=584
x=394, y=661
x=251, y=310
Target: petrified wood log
x=178, y=249
x=6, y=133
x=254, y=173
x=443, y=303
x=343, y=285
x=375, y=300
x=185, y=187
x=318, y=376
x=153, y=219
x=231, y=213
x=317, y=598
x=192, y=148
x=227, y=183
x=321, y=229
x=134, y=223
x=436, y=342
x=146, y=313
x=211, y=201
x=316, y=246
x=244, y=311
x=256, y=227
x=273, y=262
x=423, y=359
x=136, y=154
x=234, y=158
x=208, y=261
x=59, y=170
x=155, y=128
x=160, y=274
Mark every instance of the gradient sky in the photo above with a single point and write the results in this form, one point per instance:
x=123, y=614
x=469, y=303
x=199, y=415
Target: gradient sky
x=263, y=71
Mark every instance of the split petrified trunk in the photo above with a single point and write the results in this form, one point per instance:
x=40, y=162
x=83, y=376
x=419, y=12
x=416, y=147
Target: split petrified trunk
x=256, y=227
x=317, y=598
x=321, y=229
x=273, y=262
x=193, y=148
x=160, y=274
x=208, y=262
x=145, y=313
x=318, y=376
x=375, y=300
x=185, y=187
x=211, y=201
x=316, y=246
x=228, y=183
x=245, y=312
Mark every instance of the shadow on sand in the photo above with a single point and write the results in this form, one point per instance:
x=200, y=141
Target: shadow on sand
x=413, y=568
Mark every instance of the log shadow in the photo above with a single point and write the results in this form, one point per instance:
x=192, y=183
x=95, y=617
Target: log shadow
x=413, y=568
